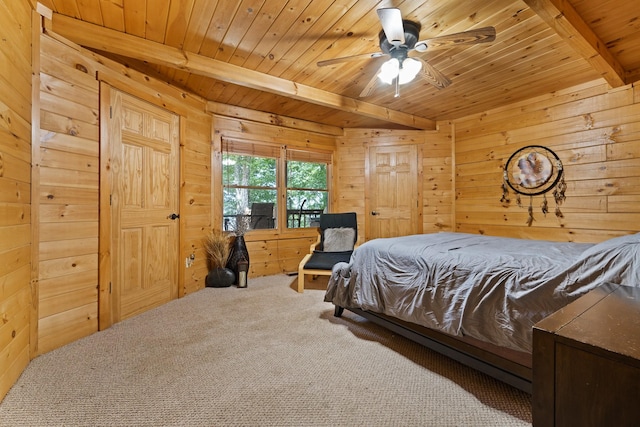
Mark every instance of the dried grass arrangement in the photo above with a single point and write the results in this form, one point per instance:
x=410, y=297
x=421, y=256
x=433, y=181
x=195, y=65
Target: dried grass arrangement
x=216, y=244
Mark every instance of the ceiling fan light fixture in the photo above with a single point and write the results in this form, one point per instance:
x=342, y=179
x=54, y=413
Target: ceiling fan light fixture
x=405, y=71
x=389, y=71
x=409, y=70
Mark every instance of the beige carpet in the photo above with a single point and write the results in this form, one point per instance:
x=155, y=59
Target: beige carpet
x=264, y=355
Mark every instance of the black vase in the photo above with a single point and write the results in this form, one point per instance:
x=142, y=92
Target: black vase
x=238, y=252
x=220, y=278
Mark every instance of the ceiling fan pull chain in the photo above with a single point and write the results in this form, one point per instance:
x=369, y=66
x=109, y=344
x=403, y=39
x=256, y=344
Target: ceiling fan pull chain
x=397, y=80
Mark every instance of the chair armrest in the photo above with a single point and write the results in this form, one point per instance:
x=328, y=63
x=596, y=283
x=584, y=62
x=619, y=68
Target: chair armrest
x=315, y=245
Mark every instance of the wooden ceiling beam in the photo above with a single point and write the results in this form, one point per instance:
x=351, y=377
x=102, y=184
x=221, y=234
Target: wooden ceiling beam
x=112, y=41
x=272, y=119
x=565, y=21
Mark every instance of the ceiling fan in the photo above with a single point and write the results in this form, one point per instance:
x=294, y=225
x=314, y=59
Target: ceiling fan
x=400, y=37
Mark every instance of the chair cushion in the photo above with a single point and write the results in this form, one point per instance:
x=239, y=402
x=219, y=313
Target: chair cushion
x=326, y=260
x=339, y=239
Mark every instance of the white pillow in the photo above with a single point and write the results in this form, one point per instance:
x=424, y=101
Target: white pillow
x=339, y=239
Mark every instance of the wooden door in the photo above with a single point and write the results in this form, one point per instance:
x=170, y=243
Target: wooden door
x=144, y=198
x=393, y=191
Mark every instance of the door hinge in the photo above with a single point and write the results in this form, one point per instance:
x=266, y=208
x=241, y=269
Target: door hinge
x=110, y=112
x=110, y=199
x=110, y=287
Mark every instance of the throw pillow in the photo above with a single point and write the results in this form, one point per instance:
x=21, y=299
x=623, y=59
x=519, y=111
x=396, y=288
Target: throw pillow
x=339, y=239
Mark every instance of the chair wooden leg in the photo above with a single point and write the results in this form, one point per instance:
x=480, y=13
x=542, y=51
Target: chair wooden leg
x=300, y=282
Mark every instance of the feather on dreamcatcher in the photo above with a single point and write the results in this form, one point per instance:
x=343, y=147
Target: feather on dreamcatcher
x=532, y=171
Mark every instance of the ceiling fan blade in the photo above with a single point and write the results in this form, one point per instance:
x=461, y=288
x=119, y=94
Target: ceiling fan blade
x=391, y=20
x=368, y=89
x=480, y=35
x=433, y=76
x=350, y=58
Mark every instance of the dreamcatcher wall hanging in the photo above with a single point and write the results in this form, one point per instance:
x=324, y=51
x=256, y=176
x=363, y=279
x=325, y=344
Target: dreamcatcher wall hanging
x=532, y=171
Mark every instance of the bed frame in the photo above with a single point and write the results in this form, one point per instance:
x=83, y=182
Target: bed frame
x=512, y=368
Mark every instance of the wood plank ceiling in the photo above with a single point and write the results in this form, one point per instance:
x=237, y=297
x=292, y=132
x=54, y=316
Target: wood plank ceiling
x=263, y=54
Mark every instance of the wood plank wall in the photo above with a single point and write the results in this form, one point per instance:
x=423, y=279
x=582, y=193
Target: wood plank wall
x=270, y=251
x=68, y=166
x=15, y=192
x=69, y=185
x=437, y=179
x=195, y=195
x=595, y=132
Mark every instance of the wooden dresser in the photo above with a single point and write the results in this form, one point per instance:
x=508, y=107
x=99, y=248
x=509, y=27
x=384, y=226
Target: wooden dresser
x=586, y=361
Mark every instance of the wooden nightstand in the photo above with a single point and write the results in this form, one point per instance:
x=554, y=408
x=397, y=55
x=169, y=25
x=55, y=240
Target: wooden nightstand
x=586, y=361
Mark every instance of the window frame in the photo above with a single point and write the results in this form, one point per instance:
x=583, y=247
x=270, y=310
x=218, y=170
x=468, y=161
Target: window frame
x=227, y=187
x=282, y=153
x=305, y=154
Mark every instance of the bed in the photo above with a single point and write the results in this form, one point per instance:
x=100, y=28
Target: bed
x=476, y=298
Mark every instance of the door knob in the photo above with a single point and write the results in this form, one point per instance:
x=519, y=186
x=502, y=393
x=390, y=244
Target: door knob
x=374, y=213
x=173, y=216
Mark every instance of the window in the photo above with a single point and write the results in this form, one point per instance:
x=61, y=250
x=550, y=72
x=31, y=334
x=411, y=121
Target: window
x=250, y=194
x=253, y=180
x=307, y=193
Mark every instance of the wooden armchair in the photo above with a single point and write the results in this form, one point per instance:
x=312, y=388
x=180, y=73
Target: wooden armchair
x=336, y=242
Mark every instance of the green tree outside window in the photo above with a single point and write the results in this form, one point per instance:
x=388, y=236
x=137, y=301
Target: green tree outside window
x=307, y=193
x=250, y=191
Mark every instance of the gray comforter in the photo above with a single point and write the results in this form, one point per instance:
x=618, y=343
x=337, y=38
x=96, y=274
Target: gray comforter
x=490, y=288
